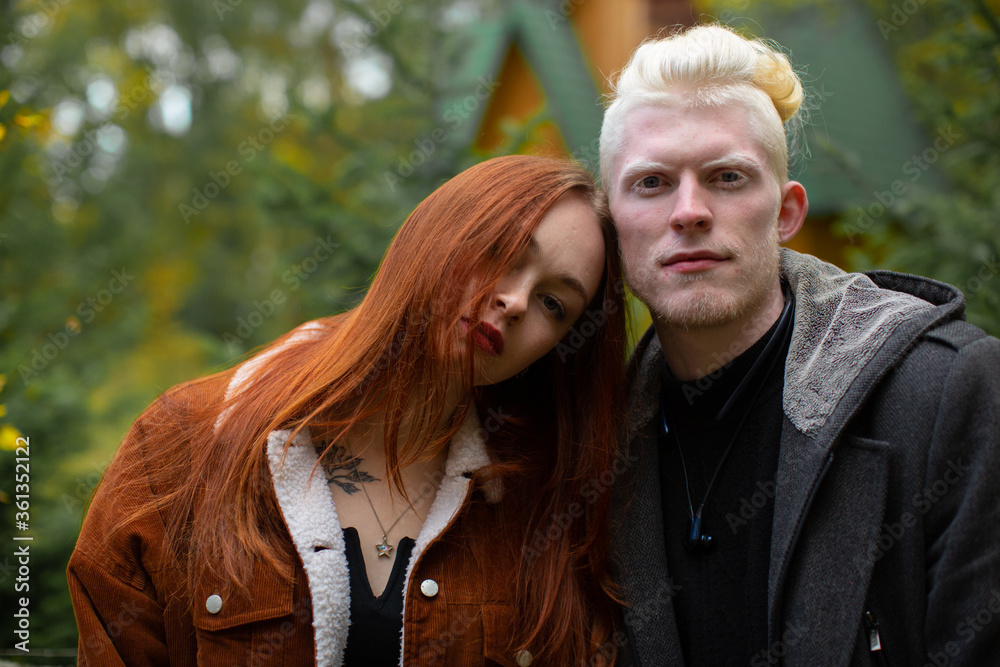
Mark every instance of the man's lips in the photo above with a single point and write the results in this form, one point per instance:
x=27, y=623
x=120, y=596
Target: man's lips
x=690, y=262
x=488, y=338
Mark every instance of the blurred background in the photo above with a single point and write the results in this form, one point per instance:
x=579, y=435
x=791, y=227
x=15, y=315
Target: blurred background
x=181, y=182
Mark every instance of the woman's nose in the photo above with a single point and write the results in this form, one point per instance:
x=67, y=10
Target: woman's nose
x=511, y=299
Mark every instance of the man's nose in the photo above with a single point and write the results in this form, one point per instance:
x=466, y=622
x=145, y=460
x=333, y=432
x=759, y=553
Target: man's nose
x=691, y=211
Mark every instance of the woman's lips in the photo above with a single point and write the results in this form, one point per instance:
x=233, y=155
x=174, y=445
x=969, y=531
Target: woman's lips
x=488, y=338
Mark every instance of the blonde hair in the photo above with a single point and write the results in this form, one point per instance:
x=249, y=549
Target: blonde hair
x=709, y=66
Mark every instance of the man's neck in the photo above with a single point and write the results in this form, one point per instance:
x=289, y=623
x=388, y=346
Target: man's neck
x=695, y=353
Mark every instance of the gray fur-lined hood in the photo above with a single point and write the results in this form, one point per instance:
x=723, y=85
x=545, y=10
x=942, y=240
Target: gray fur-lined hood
x=841, y=321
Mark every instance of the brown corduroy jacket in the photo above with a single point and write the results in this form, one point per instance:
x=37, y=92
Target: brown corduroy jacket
x=128, y=586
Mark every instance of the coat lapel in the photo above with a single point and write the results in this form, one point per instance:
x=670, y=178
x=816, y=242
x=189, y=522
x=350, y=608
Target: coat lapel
x=307, y=506
x=637, y=534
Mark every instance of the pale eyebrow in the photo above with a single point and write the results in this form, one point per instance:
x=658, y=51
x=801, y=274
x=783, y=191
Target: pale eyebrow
x=636, y=169
x=738, y=160
x=570, y=281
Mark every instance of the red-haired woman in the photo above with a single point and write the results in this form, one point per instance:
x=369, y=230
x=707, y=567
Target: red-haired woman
x=420, y=480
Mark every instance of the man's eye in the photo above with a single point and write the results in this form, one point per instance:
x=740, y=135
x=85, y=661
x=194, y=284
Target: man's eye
x=730, y=176
x=650, y=182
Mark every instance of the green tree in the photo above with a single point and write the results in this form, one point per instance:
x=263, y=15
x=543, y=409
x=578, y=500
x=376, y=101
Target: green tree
x=182, y=182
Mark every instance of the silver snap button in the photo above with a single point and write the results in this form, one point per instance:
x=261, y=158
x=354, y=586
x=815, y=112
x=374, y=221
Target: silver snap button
x=213, y=604
x=429, y=587
x=523, y=658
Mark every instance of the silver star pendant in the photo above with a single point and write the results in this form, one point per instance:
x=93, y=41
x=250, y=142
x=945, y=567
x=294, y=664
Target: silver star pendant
x=384, y=548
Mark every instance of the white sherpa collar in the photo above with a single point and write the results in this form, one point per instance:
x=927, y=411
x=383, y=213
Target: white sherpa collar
x=309, y=512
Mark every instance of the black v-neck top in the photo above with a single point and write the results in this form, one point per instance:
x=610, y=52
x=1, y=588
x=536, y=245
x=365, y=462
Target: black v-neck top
x=376, y=622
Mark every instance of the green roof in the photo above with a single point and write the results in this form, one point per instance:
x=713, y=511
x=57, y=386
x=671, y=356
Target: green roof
x=862, y=132
x=546, y=38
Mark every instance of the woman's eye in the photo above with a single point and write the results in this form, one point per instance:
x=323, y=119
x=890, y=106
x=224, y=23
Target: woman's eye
x=554, y=306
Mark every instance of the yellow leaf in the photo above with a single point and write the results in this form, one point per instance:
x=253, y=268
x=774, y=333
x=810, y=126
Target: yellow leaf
x=4, y=96
x=8, y=437
x=28, y=121
x=3, y=410
x=3, y=132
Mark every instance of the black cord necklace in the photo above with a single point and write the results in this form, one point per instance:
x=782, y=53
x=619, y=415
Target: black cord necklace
x=697, y=537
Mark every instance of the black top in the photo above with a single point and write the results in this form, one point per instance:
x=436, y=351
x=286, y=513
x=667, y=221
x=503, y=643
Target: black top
x=376, y=622
x=721, y=605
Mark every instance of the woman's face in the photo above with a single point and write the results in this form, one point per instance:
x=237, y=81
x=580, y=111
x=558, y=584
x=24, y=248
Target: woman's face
x=537, y=302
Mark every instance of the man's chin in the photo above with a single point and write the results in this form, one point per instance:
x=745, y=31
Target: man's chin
x=702, y=309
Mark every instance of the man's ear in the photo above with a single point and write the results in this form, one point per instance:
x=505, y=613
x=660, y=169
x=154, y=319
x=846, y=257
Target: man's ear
x=794, y=206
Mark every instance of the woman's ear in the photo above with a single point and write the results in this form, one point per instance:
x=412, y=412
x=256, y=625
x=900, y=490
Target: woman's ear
x=794, y=206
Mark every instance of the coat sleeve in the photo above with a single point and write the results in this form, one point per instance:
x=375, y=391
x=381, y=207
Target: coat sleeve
x=117, y=566
x=962, y=498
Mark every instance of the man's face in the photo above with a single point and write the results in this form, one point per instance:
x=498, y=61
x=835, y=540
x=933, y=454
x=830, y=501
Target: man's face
x=696, y=206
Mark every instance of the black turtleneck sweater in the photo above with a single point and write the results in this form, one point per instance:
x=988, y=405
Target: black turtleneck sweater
x=721, y=605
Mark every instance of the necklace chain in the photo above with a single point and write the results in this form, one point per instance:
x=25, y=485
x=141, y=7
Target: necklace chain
x=383, y=547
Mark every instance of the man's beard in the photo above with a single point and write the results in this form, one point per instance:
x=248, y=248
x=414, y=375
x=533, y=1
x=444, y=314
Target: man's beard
x=712, y=306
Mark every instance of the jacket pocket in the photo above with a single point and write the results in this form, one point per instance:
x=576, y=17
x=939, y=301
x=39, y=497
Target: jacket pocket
x=870, y=640
x=233, y=628
x=498, y=624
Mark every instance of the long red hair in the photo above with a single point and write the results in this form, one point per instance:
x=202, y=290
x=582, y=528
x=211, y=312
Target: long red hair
x=395, y=354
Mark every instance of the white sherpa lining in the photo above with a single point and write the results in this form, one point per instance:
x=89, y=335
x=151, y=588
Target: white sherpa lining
x=839, y=326
x=311, y=517
x=307, y=506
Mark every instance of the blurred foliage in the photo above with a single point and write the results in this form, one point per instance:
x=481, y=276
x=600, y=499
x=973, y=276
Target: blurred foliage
x=181, y=183
x=947, y=55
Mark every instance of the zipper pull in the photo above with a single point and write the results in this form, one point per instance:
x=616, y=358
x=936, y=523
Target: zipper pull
x=874, y=641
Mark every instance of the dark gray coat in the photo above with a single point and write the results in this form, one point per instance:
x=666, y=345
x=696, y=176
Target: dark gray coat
x=887, y=493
